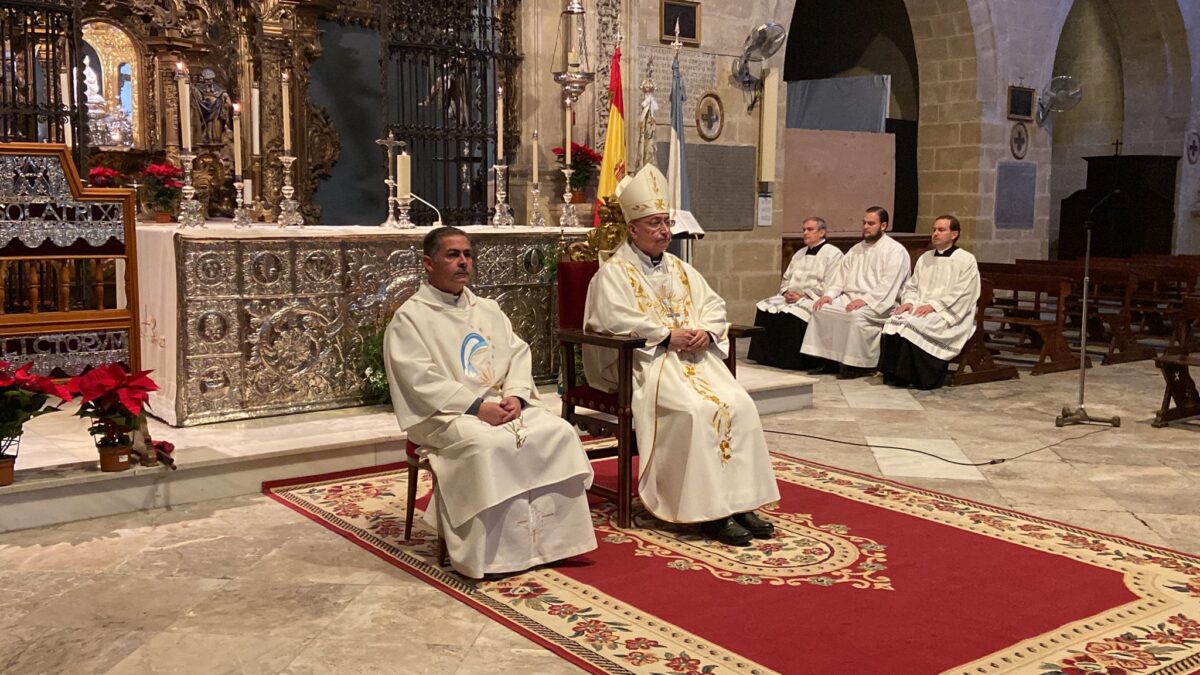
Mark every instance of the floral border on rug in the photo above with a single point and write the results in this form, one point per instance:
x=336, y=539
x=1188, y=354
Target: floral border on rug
x=1157, y=634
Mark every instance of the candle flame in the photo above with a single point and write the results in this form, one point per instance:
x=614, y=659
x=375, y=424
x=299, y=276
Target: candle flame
x=237, y=108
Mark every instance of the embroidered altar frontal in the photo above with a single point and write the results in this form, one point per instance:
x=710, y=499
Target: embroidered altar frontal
x=249, y=323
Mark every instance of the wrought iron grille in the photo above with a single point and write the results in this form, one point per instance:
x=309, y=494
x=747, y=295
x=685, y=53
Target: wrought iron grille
x=40, y=73
x=440, y=65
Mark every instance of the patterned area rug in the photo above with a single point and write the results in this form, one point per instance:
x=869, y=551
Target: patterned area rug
x=864, y=575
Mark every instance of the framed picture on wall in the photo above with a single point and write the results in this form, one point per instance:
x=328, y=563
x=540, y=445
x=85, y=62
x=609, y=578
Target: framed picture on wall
x=1020, y=103
x=685, y=14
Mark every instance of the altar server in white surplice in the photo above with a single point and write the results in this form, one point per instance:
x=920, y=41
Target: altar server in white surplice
x=703, y=457
x=848, y=320
x=936, y=316
x=510, y=475
x=786, y=315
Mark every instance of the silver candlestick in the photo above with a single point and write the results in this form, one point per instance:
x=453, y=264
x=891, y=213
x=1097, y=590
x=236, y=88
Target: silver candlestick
x=191, y=211
x=289, y=209
x=241, y=215
x=568, y=218
x=504, y=216
x=536, y=218
x=403, y=202
x=137, y=198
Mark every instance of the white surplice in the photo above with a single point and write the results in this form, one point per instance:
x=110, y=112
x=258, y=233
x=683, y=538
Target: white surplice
x=807, y=274
x=701, y=446
x=509, y=497
x=949, y=284
x=872, y=272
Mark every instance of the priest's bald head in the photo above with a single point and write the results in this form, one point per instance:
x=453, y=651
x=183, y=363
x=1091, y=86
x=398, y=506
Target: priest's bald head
x=643, y=200
x=447, y=258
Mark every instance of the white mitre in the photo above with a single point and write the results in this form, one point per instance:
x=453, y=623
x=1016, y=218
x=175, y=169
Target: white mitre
x=644, y=194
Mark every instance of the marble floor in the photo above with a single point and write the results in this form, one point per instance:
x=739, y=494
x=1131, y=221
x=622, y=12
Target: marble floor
x=244, y=585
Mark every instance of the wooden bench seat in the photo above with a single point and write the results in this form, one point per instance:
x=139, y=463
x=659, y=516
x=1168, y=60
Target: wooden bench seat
x=1019, y=311
x=1180, y=399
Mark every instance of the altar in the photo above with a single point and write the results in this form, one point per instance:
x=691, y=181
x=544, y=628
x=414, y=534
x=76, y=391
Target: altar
x=245, y=323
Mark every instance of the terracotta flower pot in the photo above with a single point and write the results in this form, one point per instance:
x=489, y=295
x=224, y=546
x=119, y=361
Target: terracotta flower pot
x=114, y=458
x=578, y=197
x=6, y=470
x=162, y=217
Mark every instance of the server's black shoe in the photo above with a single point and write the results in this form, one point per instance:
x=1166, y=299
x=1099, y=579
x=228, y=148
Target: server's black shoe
x=758, y=527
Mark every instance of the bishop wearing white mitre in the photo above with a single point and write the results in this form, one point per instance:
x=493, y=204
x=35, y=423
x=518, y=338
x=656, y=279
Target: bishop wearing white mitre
x=511, y=477
x=936, y=315
x=703, y=457
x=848, y=320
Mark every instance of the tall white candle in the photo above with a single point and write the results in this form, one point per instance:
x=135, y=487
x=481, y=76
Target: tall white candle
x=255, y=128
x=237, y=141
x=287, y=113
x=65, y=83
x=536, y=151
x=247, y=191
x=499, y=125
x=404, y=175
x=567, y=145
x=185, y=106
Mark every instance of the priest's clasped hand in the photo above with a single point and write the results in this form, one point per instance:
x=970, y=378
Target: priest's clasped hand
x=855, y=304
x=495, y=414
x=790, y=297
x=918, y=312
x=688, y=340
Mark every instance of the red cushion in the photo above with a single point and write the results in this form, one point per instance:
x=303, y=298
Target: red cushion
x=573, y=280
x=410, y=448
x=591, y=397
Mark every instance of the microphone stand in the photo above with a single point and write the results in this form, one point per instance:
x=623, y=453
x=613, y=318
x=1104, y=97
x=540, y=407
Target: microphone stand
x=1080, y=414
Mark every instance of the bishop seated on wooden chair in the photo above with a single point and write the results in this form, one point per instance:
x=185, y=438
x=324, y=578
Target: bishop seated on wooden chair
x=703, y=457
x=511, y=477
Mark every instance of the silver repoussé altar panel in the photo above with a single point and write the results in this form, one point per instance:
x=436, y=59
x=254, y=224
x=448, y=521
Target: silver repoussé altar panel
x=271, y=326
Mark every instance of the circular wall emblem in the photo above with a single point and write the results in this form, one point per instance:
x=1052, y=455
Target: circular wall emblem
x=1193, y=147
x=1018, y=140
x=710, y=117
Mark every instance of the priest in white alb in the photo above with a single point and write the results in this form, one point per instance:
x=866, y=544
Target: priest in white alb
x=936, y=315
x=848, y=319
x=786, y=315
x=511, y=477
x=703, y=457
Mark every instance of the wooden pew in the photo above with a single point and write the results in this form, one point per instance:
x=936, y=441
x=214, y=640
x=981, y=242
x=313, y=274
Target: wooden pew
x=1113, y=286
x=974, y=364
x=1020, y=311
x=1180, y=398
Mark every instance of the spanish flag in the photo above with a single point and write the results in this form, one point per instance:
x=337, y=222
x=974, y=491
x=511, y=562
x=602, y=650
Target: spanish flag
x=612, y=169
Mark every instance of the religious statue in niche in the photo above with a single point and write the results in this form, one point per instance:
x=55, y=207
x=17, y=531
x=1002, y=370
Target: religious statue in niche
x=213, y=108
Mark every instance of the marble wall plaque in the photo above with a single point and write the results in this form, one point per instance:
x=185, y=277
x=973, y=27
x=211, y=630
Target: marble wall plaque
x=699, y=72
x=723, y=186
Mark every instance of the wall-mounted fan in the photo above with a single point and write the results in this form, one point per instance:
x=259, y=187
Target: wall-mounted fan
x=762, y=43
x=1060, y=95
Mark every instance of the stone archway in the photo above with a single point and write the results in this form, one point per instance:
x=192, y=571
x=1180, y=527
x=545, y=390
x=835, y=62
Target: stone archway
x=946, y=80
x=1131, y=58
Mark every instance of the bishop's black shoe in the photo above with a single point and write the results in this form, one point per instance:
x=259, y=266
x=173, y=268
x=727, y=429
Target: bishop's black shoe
x=726, y=531
x=756, y=526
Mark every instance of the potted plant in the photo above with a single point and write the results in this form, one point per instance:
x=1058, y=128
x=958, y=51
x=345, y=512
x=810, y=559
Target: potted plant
x=23, y=396
x=586, y=164
x=163, y=188
x=115, y=401
x=102, y=176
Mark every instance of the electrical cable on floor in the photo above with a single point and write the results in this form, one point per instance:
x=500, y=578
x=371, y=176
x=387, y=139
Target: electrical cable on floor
x=990, y=462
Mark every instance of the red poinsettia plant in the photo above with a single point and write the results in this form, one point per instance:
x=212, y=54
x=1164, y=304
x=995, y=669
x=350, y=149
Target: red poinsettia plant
x=114, y=399
x=102, y=176
x=163, y=185
x=585, y=161
x=24, y=396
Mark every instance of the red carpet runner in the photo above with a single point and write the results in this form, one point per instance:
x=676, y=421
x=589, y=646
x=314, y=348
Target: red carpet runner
x=864, y=576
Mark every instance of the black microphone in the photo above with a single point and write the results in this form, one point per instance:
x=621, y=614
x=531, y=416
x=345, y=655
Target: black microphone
x=1088, y=222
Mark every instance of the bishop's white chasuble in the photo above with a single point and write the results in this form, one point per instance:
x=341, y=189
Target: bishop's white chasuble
x=509, y=497
x=874, y=273
x=950, y=284
x=702, y=451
